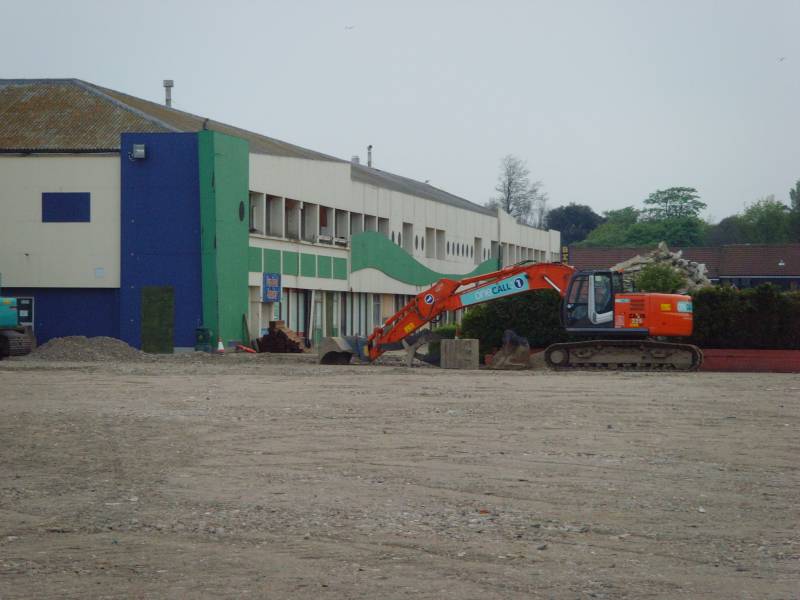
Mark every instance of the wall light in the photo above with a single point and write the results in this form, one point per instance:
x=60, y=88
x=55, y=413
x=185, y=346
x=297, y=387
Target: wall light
x=138, y=152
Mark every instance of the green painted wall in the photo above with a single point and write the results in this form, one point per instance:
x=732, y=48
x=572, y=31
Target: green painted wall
x=340, y=268
x=308, y=265
x=225, y=253
x=254, y=262
x=272, y=261
x=373, y=250
x=324, y=268
x=290, y=263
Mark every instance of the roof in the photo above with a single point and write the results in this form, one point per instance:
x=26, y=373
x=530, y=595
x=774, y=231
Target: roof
x=740, y=260
x=405, y=185
x=71, y=115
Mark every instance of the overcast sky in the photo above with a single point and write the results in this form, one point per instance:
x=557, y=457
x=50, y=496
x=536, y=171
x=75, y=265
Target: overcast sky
x=606, y=101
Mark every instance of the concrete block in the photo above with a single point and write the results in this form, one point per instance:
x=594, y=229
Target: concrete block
x=459, y=354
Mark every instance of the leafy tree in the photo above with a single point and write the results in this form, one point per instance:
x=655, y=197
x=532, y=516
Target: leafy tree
x=517, y=195
x=574, y=221
x=614, y=230
x=767, y=221
x=660, y=278
x=672, y=203
x=794, y=199
x=731, y=230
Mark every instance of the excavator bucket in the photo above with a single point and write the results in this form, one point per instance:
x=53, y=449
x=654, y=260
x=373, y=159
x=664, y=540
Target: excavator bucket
x=339, y=350
x=515, y=353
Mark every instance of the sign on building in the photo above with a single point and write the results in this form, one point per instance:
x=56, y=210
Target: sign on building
x=271, y=287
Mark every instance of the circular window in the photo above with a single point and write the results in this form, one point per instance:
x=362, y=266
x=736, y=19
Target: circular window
x=241, y=211
x=416, y=242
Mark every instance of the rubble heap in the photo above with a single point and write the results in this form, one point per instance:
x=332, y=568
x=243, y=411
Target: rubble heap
x=78, y=348
x=695, y=273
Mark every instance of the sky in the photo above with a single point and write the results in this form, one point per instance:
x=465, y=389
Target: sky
x=605, y=101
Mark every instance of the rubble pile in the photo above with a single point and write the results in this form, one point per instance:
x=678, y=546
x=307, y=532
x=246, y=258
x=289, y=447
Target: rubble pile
x=78, y=348
x=695, y=273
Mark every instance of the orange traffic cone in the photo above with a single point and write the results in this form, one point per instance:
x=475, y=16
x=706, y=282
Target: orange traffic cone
x=220, y=347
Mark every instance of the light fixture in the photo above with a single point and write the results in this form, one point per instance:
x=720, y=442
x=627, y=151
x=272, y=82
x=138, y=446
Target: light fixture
x=138, y=152
x=781, y=263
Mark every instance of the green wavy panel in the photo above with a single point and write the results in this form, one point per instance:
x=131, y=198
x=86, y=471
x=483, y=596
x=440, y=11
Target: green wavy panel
x=372, y=250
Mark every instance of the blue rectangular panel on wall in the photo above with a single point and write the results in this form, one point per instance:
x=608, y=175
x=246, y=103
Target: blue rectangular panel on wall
x=66, y=207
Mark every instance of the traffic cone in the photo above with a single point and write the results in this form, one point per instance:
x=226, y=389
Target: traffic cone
x=220, y=347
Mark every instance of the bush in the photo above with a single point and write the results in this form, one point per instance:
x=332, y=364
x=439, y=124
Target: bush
x=534, y=316
x=660, y=278
x=761, y=317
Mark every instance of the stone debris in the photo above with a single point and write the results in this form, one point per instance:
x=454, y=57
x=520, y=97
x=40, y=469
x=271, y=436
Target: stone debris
x=695, y=273
x=78, y=348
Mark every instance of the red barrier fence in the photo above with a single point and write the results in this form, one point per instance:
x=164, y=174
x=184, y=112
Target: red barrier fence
x=751, y=361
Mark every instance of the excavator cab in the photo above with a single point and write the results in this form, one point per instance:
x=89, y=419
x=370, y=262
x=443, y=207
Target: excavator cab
x=589, y=302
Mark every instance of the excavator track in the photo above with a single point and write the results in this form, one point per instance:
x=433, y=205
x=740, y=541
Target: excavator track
x=623, y=355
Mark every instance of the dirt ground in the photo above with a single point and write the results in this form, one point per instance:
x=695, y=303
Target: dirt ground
x=276, y=478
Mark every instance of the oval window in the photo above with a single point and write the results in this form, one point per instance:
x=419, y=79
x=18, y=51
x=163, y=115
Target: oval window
x=399, y=238
x=448, y=247
x=422, y=244
x=241, y=211
x=416, y=242
x=393, y=237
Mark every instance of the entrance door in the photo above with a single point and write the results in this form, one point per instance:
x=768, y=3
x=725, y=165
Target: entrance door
x=158, y=319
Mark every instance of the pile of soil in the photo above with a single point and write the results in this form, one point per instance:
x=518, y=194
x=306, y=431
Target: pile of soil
x=78, y=348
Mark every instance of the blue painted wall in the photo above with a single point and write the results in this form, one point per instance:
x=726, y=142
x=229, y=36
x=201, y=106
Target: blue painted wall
x=71, y=311
x=160, y=219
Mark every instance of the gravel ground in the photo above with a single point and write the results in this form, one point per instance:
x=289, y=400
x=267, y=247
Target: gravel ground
x=273, y=477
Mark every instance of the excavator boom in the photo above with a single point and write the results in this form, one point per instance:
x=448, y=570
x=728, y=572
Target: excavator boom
x=446, y=295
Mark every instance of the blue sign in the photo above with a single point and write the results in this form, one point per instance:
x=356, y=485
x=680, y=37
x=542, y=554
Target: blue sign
x=271, y=287
x=428, y=298
x=504, y=287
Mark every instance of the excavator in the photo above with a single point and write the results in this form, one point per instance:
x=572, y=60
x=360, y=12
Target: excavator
x=619, y=329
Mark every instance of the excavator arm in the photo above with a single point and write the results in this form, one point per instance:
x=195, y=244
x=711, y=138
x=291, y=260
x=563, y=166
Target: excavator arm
x=447, y=295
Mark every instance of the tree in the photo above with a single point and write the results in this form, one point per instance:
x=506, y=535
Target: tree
x=731, y=230
x=517, y=195
x=574, y=221
x=673, y=202
x=794, y=199
x=660, y=278
x=767, y=221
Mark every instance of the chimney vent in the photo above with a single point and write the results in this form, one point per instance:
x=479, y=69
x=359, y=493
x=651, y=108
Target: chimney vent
x=168, y=85
x=355, y=160
x=369, y=155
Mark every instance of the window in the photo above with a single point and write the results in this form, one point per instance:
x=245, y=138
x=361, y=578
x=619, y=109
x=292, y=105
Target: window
x=64, y=207
x=393, y=237
x=422, y=244
x=448, y=248
x=416, y=242
x=399, y=239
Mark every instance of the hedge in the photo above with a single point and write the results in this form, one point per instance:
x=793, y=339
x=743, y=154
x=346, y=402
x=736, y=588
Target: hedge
x=764, y=317
x=534, y=316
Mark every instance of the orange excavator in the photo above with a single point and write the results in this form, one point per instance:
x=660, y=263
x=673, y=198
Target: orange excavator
x=623, y=330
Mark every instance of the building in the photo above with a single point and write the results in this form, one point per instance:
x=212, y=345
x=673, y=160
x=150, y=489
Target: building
x=742, y=265
x=128, y=218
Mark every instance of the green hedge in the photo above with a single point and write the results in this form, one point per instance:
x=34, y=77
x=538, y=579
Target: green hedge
x=761, y=317
x=534, y=316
